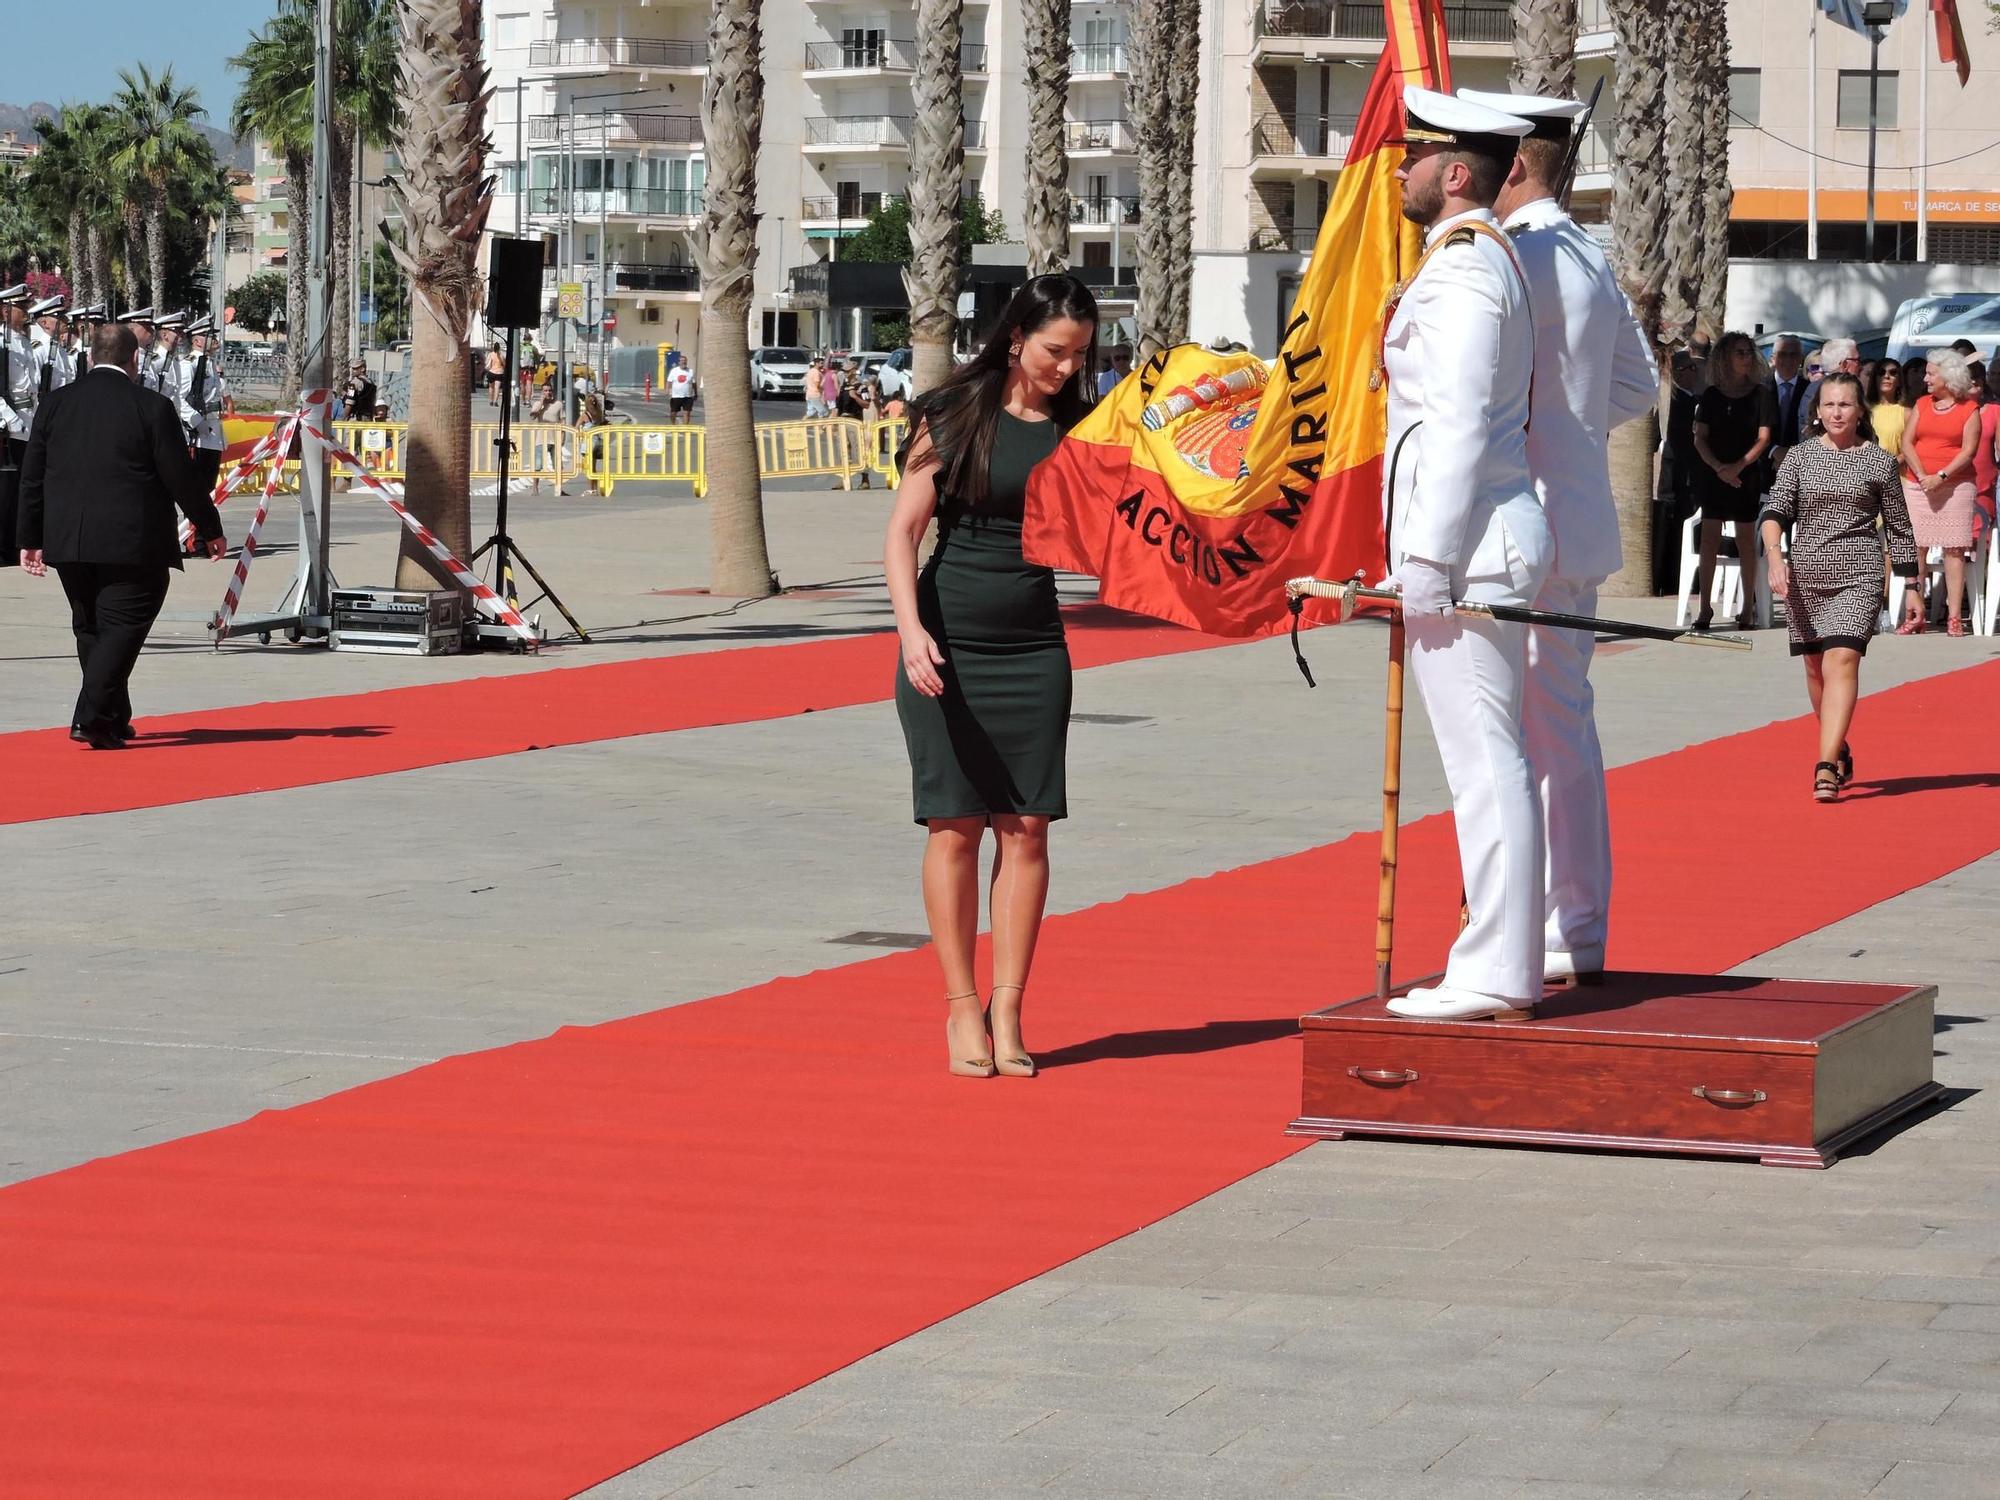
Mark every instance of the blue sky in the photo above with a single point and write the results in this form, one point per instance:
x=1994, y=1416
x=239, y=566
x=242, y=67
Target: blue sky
x=70, y=51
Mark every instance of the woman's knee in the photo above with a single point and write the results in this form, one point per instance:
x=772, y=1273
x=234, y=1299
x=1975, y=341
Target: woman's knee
x=956, y=835
x=1022, y=832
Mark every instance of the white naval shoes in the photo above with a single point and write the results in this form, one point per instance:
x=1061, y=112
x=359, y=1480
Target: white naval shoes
x=1576, y=966
x=1443, y=1004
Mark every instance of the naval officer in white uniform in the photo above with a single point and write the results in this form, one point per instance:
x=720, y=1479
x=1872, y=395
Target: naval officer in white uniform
x=53, y=359
x=1464, y=524
x=1593, y=372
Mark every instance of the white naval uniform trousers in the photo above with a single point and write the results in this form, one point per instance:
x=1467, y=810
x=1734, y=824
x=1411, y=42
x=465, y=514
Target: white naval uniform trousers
x=1593, y=372
x=1459, y=353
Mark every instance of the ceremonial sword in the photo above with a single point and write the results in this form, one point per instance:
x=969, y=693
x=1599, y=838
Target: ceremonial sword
x=1353, y=591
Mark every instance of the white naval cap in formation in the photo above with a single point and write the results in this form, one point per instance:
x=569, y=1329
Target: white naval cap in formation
x=1464, y=524
x=1594, y=371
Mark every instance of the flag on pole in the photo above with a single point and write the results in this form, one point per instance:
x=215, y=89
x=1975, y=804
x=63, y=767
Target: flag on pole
x=1848, y=13
x=1205, y=480
x=1951, y=38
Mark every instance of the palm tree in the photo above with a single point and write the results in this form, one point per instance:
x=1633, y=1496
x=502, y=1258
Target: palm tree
x=937, y=167
x=53, y=182
x=1149, y=108
x=1711, y=73
x=1639, y=229
x=1046, y=217
x=444, y=194
x=732, y=107
x=160, y=147
x=1544, y=48
x=275, y=102
x=1687, y=186
x=1184, y=80
x=365, y=109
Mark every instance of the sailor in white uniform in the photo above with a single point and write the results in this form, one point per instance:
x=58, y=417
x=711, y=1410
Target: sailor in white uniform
x=19, y=383
x=202, y=401
x=140, y=320
x=1464, y=524
x=167, y=373
x=53, y=360
x=1593, y=372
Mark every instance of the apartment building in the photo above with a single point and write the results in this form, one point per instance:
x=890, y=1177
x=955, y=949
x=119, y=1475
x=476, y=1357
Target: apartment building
x=597, y=121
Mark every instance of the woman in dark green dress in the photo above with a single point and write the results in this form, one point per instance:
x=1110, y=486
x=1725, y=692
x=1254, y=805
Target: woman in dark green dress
x=983, y=691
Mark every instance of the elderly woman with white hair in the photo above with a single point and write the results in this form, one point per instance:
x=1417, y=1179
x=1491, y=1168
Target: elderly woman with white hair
x=1940, y=443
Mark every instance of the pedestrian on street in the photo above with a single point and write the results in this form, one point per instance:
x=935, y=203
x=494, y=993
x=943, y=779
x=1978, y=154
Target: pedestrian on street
x=107, y=464
x=681, y=392
x=815, y=401
x=829, y=388
x=496, y=374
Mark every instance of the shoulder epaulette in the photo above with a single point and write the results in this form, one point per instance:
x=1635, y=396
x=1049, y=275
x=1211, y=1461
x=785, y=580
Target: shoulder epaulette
x=1461, y=237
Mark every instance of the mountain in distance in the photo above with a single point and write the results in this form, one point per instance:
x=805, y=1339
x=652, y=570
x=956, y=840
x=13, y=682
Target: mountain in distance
x=20, y=119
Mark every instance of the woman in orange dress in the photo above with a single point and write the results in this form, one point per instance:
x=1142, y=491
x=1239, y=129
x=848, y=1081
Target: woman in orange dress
x=1940, y=441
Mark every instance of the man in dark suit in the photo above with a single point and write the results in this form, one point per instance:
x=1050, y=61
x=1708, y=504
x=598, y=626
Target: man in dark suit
x=107, y=462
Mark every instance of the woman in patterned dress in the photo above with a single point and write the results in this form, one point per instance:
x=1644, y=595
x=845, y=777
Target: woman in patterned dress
x=1830, y=489
x=1940, y=445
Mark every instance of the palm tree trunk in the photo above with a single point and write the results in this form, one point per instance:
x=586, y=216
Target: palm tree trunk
x=1712, y=75
x=79, y=265
x=1544, y=48
x=1183, y=93
x=156, y=249
x=444, y=194
x=340, y=186
x=100, y=261
x=1152, y=61
x=298, y=248
x=1687, y=185
x=1639, y=230
x=135, y=236
x=732, y=106
x=1046, y=213
x=937, y=167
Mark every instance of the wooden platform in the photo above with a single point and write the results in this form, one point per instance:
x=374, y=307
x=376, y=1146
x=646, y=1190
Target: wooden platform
x=1790, y=1071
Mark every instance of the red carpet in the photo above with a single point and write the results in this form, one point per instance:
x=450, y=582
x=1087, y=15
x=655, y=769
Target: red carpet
x=518, y=1272
x=262, y=747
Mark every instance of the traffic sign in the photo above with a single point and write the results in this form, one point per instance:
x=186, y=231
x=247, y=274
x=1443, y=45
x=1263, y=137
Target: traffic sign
x=611, y=322
x=569, y=299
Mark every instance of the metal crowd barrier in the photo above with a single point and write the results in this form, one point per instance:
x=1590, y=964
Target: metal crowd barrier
x=542, y=450
x=608, y=454
x=824, y=445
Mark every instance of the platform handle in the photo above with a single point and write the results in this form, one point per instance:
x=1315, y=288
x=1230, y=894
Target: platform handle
x=1383, y=1075
x=1729, y=1096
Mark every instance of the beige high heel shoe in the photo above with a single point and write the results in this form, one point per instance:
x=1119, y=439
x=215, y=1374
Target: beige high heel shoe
x=965, y=1067
x=1020, y=1065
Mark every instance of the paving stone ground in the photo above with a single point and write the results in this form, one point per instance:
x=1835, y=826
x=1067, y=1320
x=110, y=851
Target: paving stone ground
x=1364, y=1319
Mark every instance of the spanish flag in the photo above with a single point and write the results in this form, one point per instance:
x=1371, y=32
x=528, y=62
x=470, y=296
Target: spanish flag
x=1205, y=480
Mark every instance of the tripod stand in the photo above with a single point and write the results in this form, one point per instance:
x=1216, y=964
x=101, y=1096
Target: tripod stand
x=504, y=548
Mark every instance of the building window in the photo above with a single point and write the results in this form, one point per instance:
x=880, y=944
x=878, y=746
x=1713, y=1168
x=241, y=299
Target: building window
x=1746, y=96
x=510, y=32
x=1851, y=102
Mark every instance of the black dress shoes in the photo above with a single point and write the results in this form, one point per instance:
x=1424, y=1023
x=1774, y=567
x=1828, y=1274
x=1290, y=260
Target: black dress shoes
x=100, y=739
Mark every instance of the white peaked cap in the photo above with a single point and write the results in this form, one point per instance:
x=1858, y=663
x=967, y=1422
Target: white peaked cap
x=1550, y=118
x=1446, y=120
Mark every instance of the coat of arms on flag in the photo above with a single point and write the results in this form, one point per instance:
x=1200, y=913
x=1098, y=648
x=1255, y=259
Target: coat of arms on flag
x=1206, y=479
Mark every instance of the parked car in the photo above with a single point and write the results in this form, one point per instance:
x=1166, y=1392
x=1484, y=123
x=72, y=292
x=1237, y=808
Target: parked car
x=893, y=375
x=778, y=371
x=1926, y=323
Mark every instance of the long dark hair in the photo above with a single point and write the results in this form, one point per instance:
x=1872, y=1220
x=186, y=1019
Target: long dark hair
x=962, y=411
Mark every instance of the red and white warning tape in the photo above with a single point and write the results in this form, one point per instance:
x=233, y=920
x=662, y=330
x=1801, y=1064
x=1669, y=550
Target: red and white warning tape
x=391, y=496
x=233, y=595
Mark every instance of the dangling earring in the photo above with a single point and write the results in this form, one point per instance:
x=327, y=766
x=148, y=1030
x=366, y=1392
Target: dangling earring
x=1014, y=356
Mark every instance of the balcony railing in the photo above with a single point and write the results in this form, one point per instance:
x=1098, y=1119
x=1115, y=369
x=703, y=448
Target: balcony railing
x=631, y=203
x=856, y=209
x=883, y=54
x=1323, y=136
x=1098, y=135
x=1593, y=15
x=878, y=130
x=651, y=127
x=1099, y=57
x=1357, y=20
x=1299, y=239
x=1112, y=209
x=618, y=52
x=635, y=276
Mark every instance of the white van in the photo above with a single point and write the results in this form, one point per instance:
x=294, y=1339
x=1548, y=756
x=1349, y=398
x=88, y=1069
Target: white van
x=1926, y=323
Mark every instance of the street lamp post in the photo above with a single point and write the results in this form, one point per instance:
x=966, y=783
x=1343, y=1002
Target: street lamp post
x=1876, y=14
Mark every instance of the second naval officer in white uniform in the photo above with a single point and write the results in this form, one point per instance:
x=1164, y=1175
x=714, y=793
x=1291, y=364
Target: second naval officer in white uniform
x=1593, y=372
x=1464, y=524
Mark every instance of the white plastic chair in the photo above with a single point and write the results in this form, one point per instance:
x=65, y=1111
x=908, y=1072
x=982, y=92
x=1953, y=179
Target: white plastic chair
x=1725, y=582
